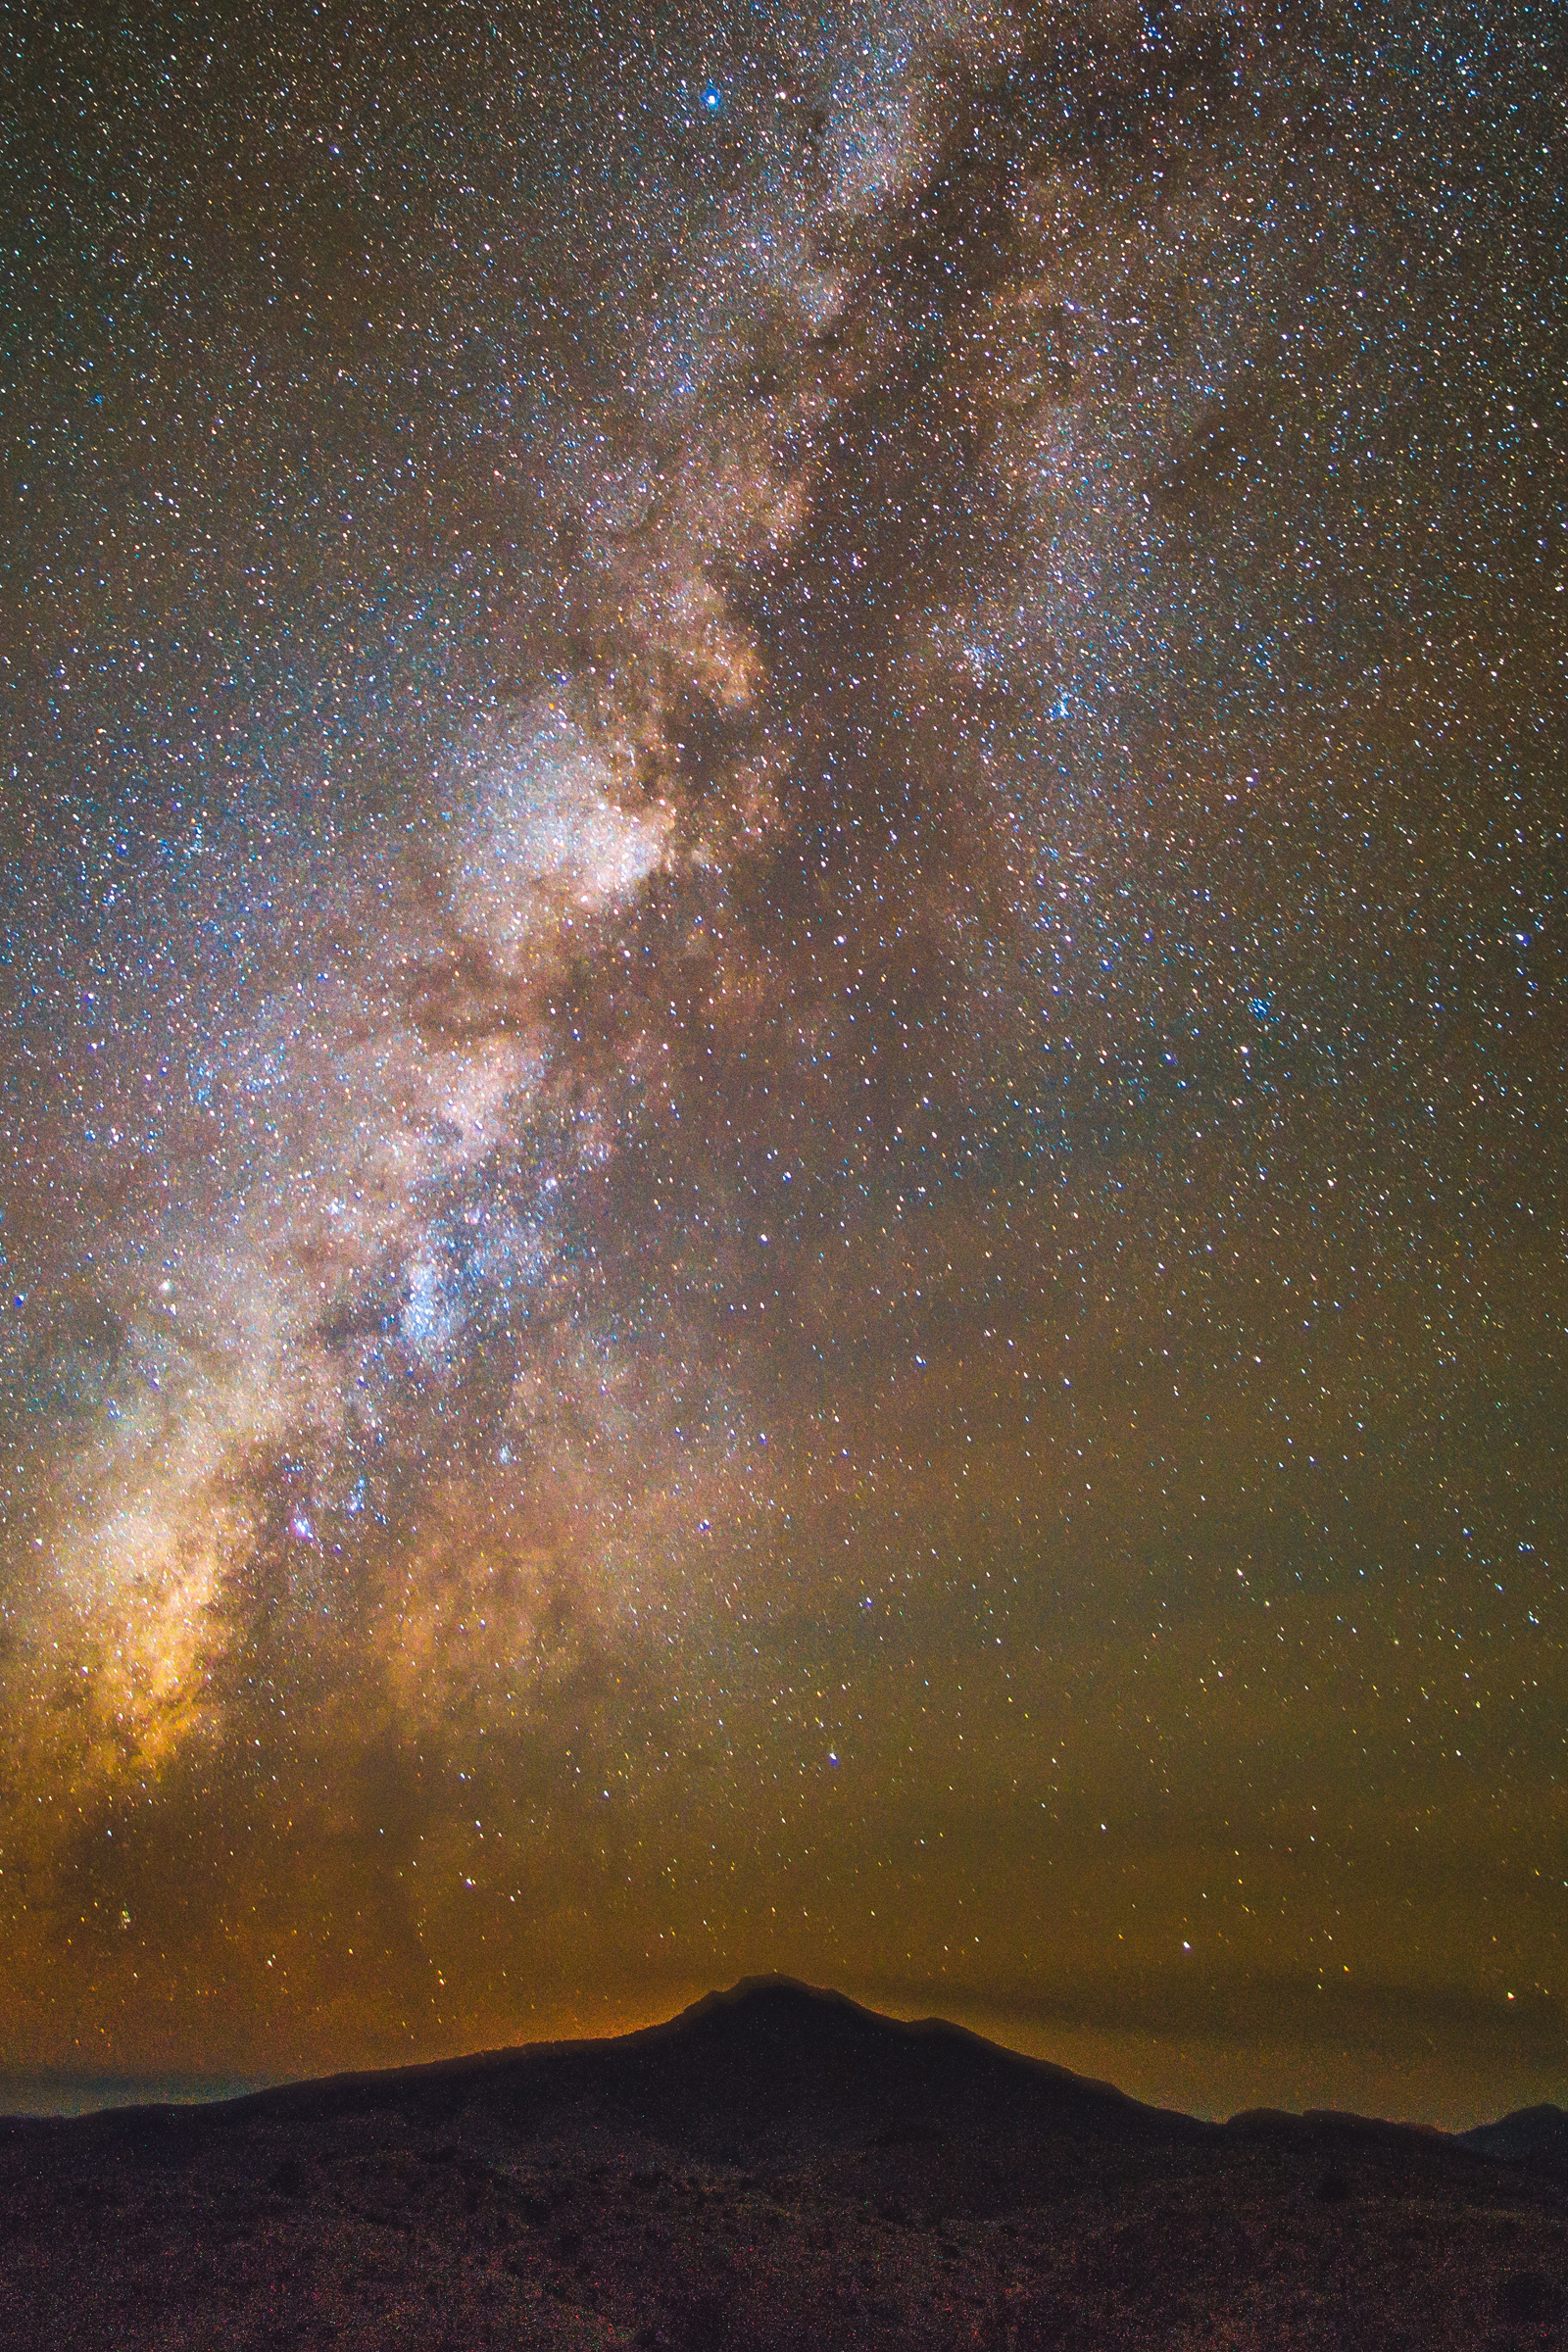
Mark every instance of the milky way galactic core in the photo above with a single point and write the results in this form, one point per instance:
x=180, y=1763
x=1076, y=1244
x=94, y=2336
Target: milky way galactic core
x=783, y=1066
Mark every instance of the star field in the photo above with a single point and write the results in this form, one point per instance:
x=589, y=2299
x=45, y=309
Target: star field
x=782, y=1134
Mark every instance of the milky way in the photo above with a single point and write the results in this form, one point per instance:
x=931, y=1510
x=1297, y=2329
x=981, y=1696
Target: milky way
x=784, y=1094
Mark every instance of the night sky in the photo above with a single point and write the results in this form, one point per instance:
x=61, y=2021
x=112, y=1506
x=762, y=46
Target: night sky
x=783, y=1085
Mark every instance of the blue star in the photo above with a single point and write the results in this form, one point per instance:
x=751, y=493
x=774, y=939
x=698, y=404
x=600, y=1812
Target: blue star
x=711, y=99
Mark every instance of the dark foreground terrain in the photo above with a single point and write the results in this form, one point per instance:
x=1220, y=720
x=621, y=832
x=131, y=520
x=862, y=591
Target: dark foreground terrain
x=775, y=2169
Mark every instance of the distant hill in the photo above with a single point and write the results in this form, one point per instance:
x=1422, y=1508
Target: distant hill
x=1528, y=2133
x=769, y=2072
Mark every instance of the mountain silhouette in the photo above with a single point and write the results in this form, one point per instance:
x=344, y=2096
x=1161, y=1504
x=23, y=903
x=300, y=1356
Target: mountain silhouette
x=1528, y=2133
x=776, y=2167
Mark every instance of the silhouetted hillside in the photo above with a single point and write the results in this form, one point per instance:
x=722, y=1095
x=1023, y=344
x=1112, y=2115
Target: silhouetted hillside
x=771, y=2071
x=1530, y=2133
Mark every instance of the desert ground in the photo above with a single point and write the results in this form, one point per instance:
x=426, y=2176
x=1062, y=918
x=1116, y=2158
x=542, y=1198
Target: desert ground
x=775, y=2169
